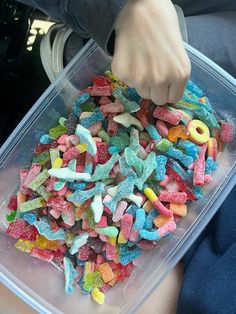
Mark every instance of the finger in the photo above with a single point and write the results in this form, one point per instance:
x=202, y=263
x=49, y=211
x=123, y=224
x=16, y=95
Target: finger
x=176, y=91
x=159, y=94
x=144, y=92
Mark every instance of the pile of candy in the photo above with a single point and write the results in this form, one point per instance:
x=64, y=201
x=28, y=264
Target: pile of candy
x=112, y=179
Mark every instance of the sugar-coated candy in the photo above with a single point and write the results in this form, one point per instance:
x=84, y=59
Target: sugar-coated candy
x=70, y=274
x=212, y=149
x=111, y=179
x=138, y=224
x=226, y=132
x=78, y=242
x=86, y=138
x=179, y=209
x=177, y=132
x=198, y=132
x=43, y=255
x=167, y=115
x=199, y=167
x=127, y=120
x=45, y=229
x=129, y=106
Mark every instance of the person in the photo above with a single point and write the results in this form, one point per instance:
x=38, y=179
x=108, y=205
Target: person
x=144, y=38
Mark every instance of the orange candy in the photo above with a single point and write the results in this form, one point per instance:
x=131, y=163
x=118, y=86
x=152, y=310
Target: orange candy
x=179, y=209
x=160, y=220
x=106, y=272
x=177, y=132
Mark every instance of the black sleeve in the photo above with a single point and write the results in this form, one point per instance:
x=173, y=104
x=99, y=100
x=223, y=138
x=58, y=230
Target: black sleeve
x=88, y=18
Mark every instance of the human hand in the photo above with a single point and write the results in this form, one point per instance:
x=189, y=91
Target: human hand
x=149, y=53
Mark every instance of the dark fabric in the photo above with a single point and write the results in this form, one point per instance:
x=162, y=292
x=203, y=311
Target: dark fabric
x=88, y=18
x=215, y=36
x=196, y=7
x=209, y=285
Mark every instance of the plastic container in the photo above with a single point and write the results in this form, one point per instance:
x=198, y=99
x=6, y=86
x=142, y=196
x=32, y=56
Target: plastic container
x=40, y=284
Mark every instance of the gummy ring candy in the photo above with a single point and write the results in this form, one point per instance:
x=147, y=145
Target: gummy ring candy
x=198, y=131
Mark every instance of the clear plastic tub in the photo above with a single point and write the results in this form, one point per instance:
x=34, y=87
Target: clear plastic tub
x=40, y=284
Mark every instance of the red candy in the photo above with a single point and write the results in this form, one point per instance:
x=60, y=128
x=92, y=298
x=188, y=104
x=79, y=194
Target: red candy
x=101, y=81
x=40, y=148
x=99, y=90
x=83, y=253
x=165, y=114
x=59, y=204
x=173, y=197
x=12, y=205
x=43, y=255
x=30, y=233
x=227, y=132
x=102, y=152
x=142, y=114
x=16, y=228
x=183, y=185
x=112, y=125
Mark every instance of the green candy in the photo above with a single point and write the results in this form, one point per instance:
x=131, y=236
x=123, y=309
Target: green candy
x=38, y=181
x=88, y=106
x=32, y=205
x=41, y=190
x=108, y=231
x=41, y=159
x=92, y=280
x=57, y=131
x=163, y=145
x=54, y=154
x=11, y=216
x=104, y=136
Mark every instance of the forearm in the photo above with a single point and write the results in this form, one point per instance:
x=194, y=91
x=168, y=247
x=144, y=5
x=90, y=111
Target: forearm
x=89, y=18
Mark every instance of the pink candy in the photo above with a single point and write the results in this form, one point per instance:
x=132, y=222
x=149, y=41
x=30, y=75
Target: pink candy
x=199, y=167
x=167, y=228
x=126, y=225
x=162, y=128
x=226, y=134
x=173, y=197
x=165, y=114
x=120, y=209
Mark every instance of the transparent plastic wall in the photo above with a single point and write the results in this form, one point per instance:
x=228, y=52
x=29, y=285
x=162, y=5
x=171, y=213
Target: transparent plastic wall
x=41, y=284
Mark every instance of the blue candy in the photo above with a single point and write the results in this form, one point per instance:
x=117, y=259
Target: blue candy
x=96, y=116
x=149, y=219
x=86, y=138
x=161, y=167
x=70, y=274
x=211, y=165
x=130, y=256
x=193, y=88
x=81, y=196
x=29, y=217
x=45, y=139
x=45, y=229
x=153, y=133
x=76, y=106
x=177, y=154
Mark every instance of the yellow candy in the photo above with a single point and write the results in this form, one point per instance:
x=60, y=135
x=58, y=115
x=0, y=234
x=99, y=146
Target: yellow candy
x=98, y=296
x=81, y=148
x=57, y=163
x=150, y=194
x=44, y=243
x=24, y=246
x=121, y=238
x=111, y=240
x=198, y=132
